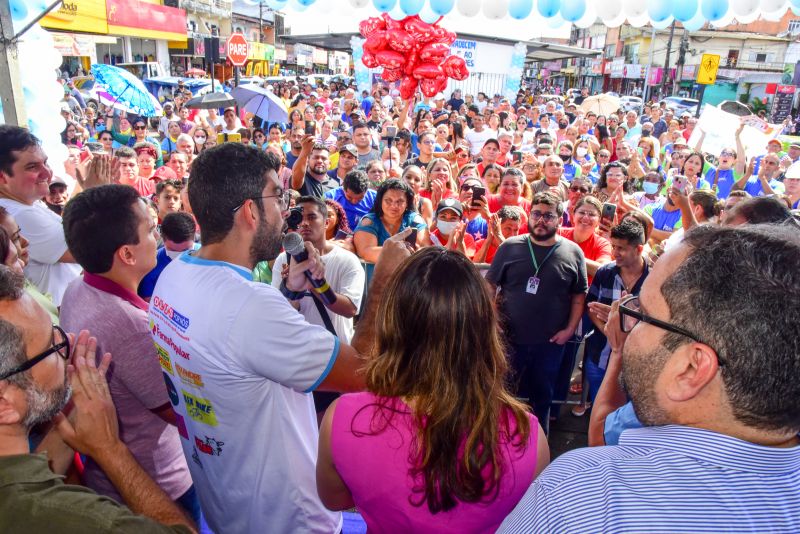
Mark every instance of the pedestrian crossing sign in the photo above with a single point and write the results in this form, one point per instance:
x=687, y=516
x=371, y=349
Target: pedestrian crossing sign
x=707, y=70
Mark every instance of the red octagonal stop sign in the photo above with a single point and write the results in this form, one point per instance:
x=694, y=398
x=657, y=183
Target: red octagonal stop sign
x=237, y=49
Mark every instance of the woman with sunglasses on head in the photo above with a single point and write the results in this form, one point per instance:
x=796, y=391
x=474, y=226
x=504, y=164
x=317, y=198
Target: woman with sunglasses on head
x=136, y=135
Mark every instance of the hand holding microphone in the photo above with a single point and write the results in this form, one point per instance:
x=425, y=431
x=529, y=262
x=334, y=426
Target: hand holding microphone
x=306, y=271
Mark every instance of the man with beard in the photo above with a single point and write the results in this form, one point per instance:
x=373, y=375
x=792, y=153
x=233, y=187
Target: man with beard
x=310, y=174
x=117, y=248
x=248, y=358
x=296, y=146
x=719, y=449
x=34, y=387
x=542, y=282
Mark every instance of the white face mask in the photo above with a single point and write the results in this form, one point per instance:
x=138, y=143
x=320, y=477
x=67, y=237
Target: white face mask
x=581, y=152
x=172, y=254
x=446, y=227
x=387, y=164
x=200, y=140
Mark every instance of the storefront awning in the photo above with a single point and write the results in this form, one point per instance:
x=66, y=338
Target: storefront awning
x=137, y=18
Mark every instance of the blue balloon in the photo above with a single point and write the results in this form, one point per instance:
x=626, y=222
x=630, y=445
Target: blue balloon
x=19, y=10
x=295, y=5
x=305, y=2
x=384, y=6
x=428, y=15
x=573, y=10
x=659, y=10
x=411, y=7
x=695, y=23
x=442, y=7
x=684, y=10
x=714, y=9
x=277, y=4
x=548, y=8
x=520, y=9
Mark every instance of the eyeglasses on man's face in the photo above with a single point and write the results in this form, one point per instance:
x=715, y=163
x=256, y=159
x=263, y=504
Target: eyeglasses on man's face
x=59, y=345
x=630, y=314
x=284, y=199
x=548, y=217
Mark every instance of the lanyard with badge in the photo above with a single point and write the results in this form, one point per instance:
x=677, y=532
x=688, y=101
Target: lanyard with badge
x=533, y=281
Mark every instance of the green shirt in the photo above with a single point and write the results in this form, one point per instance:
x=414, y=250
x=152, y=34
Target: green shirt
x=35, y=500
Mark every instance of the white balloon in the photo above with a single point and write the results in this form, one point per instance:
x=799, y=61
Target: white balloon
x=634, y=8
x=774, y=16
x=588, y=18
x=747, y=19
x=495, y=9
x=556, y=21
x=615, y=21
x=771, y=6
x=358, y=4
x=468, y=8
x=324, y=7
x=637, y=21
x=743, y=7
x=609, y=9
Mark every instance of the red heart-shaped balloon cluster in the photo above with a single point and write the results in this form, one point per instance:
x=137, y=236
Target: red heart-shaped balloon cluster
x=412, y=51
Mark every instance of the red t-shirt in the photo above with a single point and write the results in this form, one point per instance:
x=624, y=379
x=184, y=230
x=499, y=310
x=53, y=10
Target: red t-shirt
x=596, y=248
x=469, y=242
x=490, y=252
x=523, y=204
x=445, y=194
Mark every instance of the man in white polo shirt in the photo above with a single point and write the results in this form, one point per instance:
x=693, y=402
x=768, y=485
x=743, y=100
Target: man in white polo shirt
x=240, y=361
x=24, y=180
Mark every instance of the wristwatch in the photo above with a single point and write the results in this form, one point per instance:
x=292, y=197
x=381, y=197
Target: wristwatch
x=288, y=293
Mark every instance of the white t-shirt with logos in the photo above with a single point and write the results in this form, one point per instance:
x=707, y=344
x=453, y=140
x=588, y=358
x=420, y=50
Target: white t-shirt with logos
x=477, y=139
x=239, y=364
x=43, y=229
x=345, y=275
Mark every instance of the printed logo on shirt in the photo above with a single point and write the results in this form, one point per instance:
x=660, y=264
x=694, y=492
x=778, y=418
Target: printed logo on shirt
x=199, y=409
x=163, y=358
x=189, y=378
x=210, y=446
x=181, y=424
x=171, y=314
x=160, y=334
x=171, y=391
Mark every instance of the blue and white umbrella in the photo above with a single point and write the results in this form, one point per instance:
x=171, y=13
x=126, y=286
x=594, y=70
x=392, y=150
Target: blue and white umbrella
x=128, y=91
x=261, y=102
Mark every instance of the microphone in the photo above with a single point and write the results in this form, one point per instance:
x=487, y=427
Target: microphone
x=293, y=245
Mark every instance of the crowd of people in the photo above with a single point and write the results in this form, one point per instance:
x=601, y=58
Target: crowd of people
x=167, y=347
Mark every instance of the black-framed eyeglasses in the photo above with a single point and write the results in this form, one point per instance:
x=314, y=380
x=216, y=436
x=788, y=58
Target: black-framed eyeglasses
x=284, y=197
x=630, y=315
x=59, y=345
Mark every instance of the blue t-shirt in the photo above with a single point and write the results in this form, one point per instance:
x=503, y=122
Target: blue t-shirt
x=168, y=145
x=753, y=186
x=290, y=159
x=410, y=219
x=148, y=283
x=725, y=181
x=621, y=419
x=354, y=212
x=570, y=171
x=663, y=219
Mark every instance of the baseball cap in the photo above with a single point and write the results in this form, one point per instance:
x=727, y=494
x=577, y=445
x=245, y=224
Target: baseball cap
x=492, y=141
x=680, y=142
x=450, y=204
x=794, y=144
x=65, y=108
x=774, y=141
x=319, y=105
x=57, y=180
x=351, y=148
x=461, y=147
x=793, y=171
x=164, y=173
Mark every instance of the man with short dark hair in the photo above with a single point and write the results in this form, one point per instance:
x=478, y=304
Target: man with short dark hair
x=177, y=233
x=426, y=144
x=296, y=136
x=354, y=196
x=57, y=196
x=24, y=180
x=231, y=334
x=347, y=161
x=542, y=275
x=719, y=445
x=757, y=210
x=362, y=137
x=113, y=237
x=310, y=174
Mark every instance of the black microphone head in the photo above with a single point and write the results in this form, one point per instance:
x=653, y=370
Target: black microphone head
x=293, y=243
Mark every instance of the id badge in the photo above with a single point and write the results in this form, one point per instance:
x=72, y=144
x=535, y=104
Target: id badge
x=533, y=285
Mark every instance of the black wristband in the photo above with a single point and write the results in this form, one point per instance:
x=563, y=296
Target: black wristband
x=288, y=293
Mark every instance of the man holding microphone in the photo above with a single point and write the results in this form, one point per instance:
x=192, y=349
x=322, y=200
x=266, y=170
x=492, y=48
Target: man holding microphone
x=239, y=360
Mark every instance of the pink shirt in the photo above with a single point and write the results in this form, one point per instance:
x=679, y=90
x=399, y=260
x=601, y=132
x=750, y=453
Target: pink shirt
x=375, y=467
x=118, y=319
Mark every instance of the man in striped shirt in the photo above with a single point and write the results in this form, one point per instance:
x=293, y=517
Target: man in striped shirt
x=711, y=363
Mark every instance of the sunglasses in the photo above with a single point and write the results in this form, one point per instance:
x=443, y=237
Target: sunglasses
x=139, y=128
x=583, y=190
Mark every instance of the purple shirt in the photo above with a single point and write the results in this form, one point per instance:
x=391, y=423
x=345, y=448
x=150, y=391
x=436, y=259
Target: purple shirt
x=118, y=319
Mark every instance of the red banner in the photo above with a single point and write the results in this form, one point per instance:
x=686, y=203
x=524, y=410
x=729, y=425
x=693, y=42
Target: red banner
x=145, y=20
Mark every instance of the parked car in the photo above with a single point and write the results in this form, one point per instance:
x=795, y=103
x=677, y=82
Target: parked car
x=630, y=103
x=679, y=104
x=612, y=93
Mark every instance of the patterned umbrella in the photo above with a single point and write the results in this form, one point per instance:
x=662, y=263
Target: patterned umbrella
x=126, y=90
x=261, y=102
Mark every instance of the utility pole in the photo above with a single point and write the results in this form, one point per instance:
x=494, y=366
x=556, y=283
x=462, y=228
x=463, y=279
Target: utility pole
x=666, y=60
x=260, y=22
x=647, y=91
x=681, y=61
x=10, y=83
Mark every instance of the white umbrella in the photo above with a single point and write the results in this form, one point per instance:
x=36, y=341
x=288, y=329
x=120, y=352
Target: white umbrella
x=603, y=104
x=260, y=102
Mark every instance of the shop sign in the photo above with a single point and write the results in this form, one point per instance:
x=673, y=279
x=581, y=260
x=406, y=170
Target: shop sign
x=78, y=16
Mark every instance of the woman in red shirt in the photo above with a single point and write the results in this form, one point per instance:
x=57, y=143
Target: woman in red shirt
x=439, y=183
x=510, y=194
x=596, y=249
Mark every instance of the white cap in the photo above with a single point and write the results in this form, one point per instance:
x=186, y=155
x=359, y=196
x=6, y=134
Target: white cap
x=793, y=171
